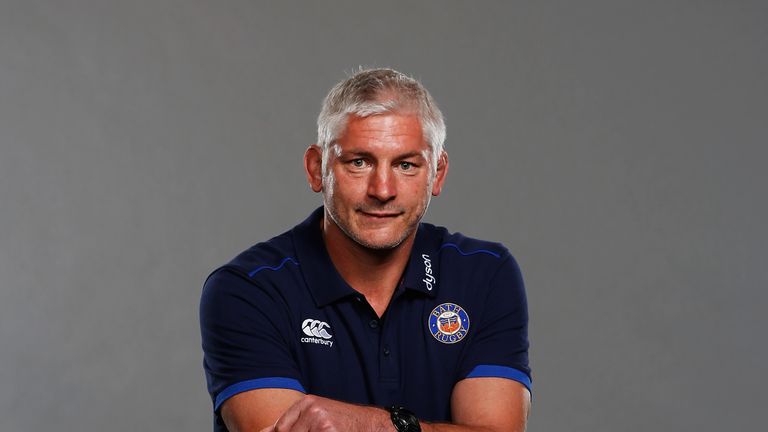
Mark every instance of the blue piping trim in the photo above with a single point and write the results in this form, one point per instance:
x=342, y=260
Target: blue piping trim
x=494, y=371
x=278, y=267
x=272, y=382
x=453, y=245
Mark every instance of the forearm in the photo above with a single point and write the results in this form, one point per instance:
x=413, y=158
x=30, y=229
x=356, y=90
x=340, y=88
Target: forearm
x=445, y=427
x=378, y=420
x=310, y=413
x=375, y=419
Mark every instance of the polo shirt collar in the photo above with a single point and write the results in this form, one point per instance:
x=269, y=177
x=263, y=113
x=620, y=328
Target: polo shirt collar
x=326, y=284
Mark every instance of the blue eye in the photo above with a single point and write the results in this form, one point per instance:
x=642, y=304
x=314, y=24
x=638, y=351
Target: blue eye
x=358, y=163
x=405, y=166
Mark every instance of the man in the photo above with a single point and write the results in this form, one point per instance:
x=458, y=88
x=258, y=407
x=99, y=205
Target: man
x=362, y=310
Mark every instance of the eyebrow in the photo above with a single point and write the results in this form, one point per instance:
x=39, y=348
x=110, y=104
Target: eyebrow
x=372, y=156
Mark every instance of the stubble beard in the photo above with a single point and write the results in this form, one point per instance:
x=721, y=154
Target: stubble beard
x=328, y=188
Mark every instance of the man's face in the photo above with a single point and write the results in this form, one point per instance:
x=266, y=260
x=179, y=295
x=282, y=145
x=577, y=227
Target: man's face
x=378, y=181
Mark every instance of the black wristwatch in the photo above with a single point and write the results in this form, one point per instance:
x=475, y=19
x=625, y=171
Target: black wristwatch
x=404, y=420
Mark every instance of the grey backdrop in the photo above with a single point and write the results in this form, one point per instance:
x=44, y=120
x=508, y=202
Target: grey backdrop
x=617, y=148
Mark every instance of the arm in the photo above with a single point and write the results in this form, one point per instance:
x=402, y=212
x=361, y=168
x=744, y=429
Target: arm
x=282, y=410
x=251, y=374
x=257, y=409
x=487, y=404
x=478, y=405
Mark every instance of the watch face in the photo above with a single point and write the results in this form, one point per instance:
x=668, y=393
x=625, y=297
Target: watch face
x=404, y=420
x=402, y=424
x=413, y=428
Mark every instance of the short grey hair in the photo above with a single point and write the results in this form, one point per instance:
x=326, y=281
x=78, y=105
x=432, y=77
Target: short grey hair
x=377, y=91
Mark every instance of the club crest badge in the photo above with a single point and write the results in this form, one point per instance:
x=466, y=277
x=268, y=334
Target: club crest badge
x=448, y=323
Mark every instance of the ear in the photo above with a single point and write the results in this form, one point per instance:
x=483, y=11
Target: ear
x=442, y=171
x=313, y=167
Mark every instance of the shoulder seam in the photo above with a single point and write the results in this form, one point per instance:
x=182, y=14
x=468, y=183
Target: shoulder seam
x=273, y=268
x=463, y=253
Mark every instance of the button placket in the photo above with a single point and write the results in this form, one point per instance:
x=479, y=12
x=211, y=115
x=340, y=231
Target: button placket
x=389, y=370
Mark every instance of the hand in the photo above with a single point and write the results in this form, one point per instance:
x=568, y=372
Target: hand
x=315, y=414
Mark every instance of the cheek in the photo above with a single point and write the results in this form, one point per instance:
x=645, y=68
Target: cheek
x=351, y=184
x=341, y=189
x=329, y=185
x=418, y=189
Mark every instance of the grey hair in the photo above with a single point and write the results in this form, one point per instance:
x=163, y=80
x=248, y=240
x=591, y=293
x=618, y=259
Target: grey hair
x=377, y=91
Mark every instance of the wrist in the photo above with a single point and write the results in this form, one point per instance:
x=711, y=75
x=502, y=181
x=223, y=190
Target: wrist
x=378, y=420
x=403, y=420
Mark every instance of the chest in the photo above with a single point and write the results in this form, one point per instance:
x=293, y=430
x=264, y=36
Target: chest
x=410, y=356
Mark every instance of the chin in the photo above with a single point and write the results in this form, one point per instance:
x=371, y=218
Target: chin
x=379, y=245
x=380, y=241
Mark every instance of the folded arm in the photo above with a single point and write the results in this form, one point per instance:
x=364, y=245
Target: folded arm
x=477, y=404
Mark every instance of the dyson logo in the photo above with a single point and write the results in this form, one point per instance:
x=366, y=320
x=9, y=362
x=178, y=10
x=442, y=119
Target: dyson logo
x=429, y=278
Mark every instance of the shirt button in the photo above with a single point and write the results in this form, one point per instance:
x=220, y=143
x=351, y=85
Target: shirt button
x=374, y=324
x=386, y=352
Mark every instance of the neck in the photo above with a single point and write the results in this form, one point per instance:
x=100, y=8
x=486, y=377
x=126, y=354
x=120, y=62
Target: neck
x=375, y=273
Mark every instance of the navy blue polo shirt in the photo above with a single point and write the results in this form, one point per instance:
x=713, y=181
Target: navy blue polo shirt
x=279, y=315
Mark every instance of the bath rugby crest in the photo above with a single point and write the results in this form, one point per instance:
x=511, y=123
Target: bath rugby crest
x=448, y=323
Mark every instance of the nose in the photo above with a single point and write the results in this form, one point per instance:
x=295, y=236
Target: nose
x=381, y=184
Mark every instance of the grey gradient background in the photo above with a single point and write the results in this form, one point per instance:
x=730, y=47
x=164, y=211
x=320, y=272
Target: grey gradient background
x=617, y=148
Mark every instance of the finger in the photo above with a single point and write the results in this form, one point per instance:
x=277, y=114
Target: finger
x=287, y=421
x=305, y=421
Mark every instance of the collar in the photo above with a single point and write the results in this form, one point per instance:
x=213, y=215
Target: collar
x=326, y=284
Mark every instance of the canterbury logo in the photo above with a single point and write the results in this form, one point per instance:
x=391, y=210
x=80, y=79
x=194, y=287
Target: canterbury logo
x=316, y=328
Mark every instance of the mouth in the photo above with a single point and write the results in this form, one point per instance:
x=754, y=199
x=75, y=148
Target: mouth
x=380, y=215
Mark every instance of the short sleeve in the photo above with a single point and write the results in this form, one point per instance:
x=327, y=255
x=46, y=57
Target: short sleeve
x=499, y=347
x=242, y=327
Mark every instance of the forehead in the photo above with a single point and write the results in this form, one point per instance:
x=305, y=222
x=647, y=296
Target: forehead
x=383, y=131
